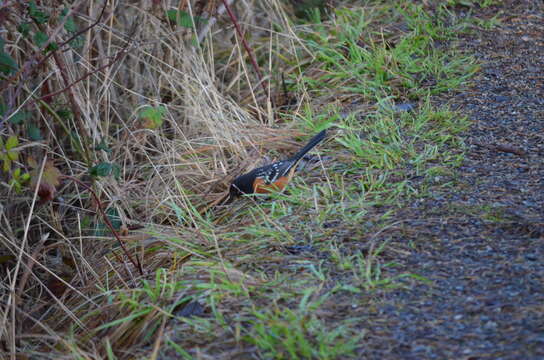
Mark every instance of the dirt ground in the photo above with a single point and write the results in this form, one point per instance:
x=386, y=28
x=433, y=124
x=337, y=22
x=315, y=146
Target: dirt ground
x=480, y=241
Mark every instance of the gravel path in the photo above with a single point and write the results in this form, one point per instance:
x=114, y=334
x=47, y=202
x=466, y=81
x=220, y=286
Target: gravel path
x=482, y=242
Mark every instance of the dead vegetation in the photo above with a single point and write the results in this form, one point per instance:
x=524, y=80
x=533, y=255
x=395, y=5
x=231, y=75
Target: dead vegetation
x=158, y=124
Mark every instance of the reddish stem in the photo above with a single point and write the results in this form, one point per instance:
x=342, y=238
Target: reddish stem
x=246, y=46
x=36, y=64
x=115, y=59
x=136, y=262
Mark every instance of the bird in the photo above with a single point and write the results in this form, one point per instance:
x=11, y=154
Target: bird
x=272, y=177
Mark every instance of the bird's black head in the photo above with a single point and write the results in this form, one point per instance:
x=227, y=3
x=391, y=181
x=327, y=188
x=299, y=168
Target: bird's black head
x=242, y=185
x=233, y=191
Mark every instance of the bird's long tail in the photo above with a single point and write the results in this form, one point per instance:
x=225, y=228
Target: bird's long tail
x=311, y=144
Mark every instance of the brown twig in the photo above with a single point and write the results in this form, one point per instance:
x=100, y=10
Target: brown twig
x=114, y=60
x=510, y=149
x=211, y=22
x=247, y=47
x=80, y=32
x=30, y=264
x=502, y=148
x=76, y=110
x=26, y=275
x=36, y=64
x=32, y=64
x=136, y=262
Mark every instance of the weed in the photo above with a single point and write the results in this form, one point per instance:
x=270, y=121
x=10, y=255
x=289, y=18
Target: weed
x=282, y=333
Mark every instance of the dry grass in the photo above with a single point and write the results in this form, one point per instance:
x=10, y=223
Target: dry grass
x=215, y=124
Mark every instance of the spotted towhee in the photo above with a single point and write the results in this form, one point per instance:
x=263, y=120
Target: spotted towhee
x=272, y=177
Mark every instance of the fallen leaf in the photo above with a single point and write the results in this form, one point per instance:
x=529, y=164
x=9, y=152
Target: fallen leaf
x=49, y=181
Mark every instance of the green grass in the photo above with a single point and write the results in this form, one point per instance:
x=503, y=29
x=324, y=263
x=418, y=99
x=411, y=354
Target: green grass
x=282, y=333
x=359, y=55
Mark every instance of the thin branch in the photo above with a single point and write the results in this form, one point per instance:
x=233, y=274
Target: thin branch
x=211, y=21
x=246, y=46
x=36, y=64
x=28, y=271
x=80, y=32
x=114, y=60
x=136, y=262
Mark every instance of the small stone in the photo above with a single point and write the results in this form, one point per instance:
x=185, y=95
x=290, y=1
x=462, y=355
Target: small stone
x=531, y=257
x=490, y=326
x=404, y=107
x=420, y=348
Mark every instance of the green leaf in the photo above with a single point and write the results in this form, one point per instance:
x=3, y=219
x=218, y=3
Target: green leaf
x=64, y=114
x=12, y=142
x=7, y=163
x=78, y=42
x=86, y=222
x=102, y=169
x=75, y=141
x=40, y=38
x=24, y=29
x=2, y=108
x=7, y=64
x=113, y=216
x=183, y=18
x=152, y=116
x=39, y=16
x=13, y=155
x=103, y=146
x=34, y=133
x=52, y=47
x=309, y=9
x=105, y=169
x=19, y=117
x=6, y=155
x=16, y=185
x=116, y=171
x=69, y=24
x=115, y=220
